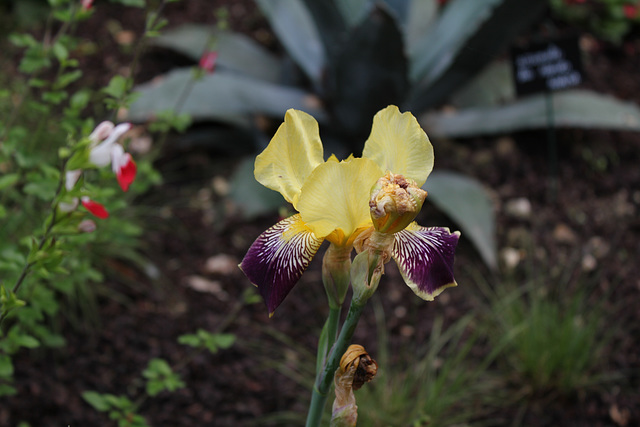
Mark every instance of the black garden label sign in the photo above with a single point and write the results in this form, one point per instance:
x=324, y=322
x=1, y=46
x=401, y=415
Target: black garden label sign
x=546, y=67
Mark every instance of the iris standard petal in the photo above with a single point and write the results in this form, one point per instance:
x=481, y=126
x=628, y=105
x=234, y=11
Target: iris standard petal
x=398, y=144
x=278, y=257
x=425, y=258
x=294, y=151
x=335, y=197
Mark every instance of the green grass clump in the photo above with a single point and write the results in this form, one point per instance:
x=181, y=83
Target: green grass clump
x=551, y=339
x=436, y=383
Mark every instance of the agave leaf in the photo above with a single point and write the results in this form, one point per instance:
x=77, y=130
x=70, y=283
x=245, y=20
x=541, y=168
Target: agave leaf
x=572, y=108
x=368, y=73
x=464, y=39
x=220, y=96
x=494, y=85
x=294, y=26
x=420, y=17
x=467, y=202
x=459, y=21
x=235, y=51
x=330, y=23
x=354, y=11
x=249, y=195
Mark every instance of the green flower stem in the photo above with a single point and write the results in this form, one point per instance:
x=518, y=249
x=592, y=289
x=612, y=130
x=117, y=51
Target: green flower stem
x=324, y=378
x=332, y=327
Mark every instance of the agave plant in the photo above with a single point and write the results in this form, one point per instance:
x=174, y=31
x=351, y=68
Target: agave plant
x=346, y=60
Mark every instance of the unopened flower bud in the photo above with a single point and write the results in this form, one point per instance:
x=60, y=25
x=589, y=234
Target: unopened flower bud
x=395, y=201
x=374, y=251
x=87, y=226
x=336, y=277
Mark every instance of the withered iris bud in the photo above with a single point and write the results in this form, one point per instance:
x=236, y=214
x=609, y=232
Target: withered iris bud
x=395, y=202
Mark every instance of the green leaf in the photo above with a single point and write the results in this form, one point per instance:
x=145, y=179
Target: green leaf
x=252, y=198
x=97, y=400
x=44, y=190
x=468, y=203
x=60, y=51
x=571, y=108
x=23, y=40
x=235, y=51
x=8, y=180
x=221, y=96
x=117, y=87
x=494, y=85
x=223, y=341
x=354, y=11
x=54, y=97
x=6, y=366
x=330, y=23
x=421, y=16
x=294, y=26
x=191, y=340
x=7, y=390
x=34, y=60
x=371, y=57
x=131, y=3
x=68, y=78
x=80, y=99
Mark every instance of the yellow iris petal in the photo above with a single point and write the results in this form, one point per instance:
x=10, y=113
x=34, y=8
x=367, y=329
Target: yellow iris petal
x=334, y=201
x=293, y=153
x=398, y=144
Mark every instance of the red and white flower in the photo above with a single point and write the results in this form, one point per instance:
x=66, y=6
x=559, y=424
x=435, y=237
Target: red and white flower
x=97, y=209
x=105, y=150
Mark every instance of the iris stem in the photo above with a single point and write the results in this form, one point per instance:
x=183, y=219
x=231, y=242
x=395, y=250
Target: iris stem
x=332, y=329
x=324, y=378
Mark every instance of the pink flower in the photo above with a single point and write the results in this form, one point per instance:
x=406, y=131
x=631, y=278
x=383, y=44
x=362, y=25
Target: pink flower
x=208, y=61
x=95, y=208
x=630, y=11
x=86, y=4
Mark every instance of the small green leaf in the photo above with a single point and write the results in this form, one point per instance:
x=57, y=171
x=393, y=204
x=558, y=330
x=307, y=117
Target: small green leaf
x=8, y=180
x=96, y=400
x=224, y=340
x=23, y=40
x=191, y=340
x=60, y=51
x=68, y=78
x=54, y=97
x=80, y=99
x=117, y=87
x=131, y=3
x=7, y=390
x=6, y=366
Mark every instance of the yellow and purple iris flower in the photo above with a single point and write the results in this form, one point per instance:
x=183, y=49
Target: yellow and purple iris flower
x=332, y=200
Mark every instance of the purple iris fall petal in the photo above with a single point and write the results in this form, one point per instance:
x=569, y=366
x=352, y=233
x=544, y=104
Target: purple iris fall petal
x=425, y=258
x=278, y=257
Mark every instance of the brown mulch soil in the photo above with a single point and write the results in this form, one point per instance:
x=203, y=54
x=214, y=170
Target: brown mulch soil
x=590, y=227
